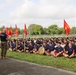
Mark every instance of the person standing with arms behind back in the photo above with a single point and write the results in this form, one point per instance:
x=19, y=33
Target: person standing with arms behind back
x=3, y=37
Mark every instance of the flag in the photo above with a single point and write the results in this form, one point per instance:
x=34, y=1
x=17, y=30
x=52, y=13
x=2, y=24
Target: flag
x=25, y=30
x=16, y=31
x=10, y=31
x=0, y=32
x=66, y=28
x=7, y=31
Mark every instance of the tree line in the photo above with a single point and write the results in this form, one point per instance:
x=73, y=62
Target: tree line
x=35, y=29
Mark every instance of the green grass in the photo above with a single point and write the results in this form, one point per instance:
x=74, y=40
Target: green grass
x=60, y=62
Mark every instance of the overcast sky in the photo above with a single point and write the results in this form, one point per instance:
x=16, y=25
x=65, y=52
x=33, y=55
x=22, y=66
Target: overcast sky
x=42, y=12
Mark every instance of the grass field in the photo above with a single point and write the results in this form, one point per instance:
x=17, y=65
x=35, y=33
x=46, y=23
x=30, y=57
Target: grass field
x=59, y=62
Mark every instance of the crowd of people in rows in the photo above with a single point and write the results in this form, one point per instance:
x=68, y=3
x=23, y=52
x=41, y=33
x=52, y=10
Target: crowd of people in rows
x=56, y=47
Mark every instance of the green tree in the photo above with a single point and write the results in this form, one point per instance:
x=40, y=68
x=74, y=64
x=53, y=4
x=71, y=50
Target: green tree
x=53, y=29
x=35, y=29
x=61, y=30
x=45, y=31
x=1, y=28
x=73, y=30
x=21, y=31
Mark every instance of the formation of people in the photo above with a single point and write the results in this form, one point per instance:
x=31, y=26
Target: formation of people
x=56, y=47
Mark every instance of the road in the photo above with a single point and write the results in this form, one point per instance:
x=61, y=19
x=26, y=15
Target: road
x=11, y=66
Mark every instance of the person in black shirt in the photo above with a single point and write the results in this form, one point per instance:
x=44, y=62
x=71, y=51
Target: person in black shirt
x=3, y=37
